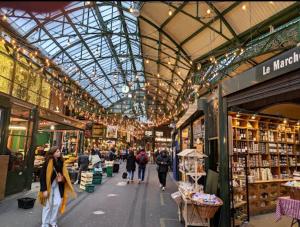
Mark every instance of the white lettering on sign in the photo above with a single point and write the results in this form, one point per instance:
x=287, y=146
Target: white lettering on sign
x=281, y=63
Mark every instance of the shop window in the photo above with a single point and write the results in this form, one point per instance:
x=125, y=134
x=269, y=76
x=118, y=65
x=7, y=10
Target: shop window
x=34, y=88
x=45, y=94
x=22, y=75
x=44, y=102
x=19, y=92
x=6, y=70
x=20, y=82
x=19, y=137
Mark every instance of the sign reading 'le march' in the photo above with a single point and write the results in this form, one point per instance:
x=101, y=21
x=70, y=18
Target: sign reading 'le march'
x=283, y=63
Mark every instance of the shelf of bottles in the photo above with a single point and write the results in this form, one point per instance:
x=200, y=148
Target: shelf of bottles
x=271, y=148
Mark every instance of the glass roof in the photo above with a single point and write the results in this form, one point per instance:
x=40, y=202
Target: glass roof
x=96, y=44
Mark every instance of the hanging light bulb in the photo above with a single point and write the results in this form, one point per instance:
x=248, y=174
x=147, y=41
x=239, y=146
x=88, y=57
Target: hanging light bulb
x=147, y=61
x=158, y=75
x=131, y=9
x=208, y=11
x=169, y=62
x=244, y=7
x=198, y=66
x=4, y=17
x=170, y=12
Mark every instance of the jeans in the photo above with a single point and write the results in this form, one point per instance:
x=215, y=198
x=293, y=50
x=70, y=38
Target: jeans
x=141, y=172
x=50, y=211
x=162, y=178
x=130, y=175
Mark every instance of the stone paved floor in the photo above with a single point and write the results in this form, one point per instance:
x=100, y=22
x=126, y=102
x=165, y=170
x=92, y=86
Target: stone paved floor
x=113, y=204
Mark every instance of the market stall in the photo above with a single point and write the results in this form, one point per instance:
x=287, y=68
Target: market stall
x=194, y=206
x=263, y=136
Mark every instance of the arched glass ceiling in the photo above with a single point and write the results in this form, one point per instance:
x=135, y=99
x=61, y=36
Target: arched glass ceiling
x=96, y=44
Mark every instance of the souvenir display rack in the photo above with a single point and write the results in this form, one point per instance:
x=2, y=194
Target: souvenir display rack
x=267, y=150
x=191, y=164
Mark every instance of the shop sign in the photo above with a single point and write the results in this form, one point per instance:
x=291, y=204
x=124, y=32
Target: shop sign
x=159, y=134
x=112, y=131
x=163, y=139
x=148, y=133
x=280, y=65
x=49, y=115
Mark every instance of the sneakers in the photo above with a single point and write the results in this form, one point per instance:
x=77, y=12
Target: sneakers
x=163, y=188
x=160, y=185
x=139, y=181
x=128, y=182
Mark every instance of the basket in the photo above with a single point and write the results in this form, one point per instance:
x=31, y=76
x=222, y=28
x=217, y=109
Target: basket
x=97, y=179
x=206, y=210
x=294, y=192
x=89, y=188
x=26, y=203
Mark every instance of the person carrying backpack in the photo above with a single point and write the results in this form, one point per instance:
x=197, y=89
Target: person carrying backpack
x=142, y=160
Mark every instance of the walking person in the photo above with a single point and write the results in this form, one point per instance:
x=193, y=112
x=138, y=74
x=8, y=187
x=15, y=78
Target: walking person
x=83, y=164
x=142, y=160
x=163, y=161
x=130, y=166
x=55, y=187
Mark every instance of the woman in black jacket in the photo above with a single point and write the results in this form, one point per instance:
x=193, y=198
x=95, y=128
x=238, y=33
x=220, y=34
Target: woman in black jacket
x=163, y=161
x=130, y=166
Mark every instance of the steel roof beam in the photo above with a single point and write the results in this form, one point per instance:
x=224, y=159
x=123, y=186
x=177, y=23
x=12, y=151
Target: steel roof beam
x=88, y=49
x=55, y=41
x=124, y=25
x=205, y=25
x=174, y=14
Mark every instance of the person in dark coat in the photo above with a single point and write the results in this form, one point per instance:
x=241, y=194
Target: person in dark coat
x=130, y=166
x=83, y=164
x=163, y=162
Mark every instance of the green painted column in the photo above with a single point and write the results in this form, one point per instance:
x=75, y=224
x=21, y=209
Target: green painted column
x=31, y=152
x=206, y=142
x=224, y=164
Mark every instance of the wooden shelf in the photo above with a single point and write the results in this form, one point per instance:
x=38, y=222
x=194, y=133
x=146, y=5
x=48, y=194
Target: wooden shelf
x=271, y=181
x=275, y=140
x=239, y=204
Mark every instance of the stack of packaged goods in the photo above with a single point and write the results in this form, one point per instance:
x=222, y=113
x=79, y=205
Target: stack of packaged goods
x=86, y=181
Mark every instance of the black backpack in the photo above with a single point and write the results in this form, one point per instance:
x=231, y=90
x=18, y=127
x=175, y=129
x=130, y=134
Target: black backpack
x=124, y=175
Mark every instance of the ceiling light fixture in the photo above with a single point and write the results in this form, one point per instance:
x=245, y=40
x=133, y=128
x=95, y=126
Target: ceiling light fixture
x=253, y=117
x=147, y=61
x=170, y=12
x=244, y=7
x=208, y=11
x=284, y=120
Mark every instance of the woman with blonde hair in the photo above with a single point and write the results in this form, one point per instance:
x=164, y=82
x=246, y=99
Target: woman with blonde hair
x=55, y=187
